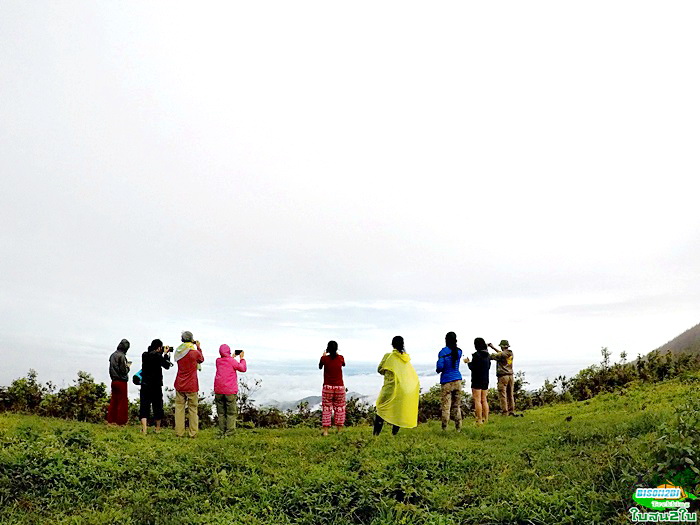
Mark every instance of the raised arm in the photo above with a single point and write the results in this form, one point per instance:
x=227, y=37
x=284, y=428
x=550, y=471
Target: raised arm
x=498, y=355
x=241, y=365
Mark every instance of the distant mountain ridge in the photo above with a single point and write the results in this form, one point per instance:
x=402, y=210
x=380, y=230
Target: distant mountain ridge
x=686, y=343
x=313, y=401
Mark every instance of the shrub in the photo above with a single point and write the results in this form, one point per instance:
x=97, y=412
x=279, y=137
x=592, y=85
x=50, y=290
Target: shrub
x=83, y=401
x=357, y=412
x=429, y=404
x=24, y=394
x=597, y=379
x=271, y=418
x=678, y=447
x=204, y=410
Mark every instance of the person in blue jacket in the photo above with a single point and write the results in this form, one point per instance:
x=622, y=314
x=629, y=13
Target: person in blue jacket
x=450, y=381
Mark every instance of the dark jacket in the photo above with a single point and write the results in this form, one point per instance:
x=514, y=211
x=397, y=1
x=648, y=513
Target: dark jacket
x=480, y=366
x=152, y=364
x=118, y=368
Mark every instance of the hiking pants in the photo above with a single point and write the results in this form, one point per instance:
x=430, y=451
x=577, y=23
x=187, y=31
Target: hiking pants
x=451, y=396
x=505, y=394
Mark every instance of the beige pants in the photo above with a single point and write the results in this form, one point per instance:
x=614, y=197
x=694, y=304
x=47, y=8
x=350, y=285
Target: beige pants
x=187, y=400
x=451, y=399
x=505, y=394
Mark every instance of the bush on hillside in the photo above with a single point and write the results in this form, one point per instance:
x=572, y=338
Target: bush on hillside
x=607, y=377
x=678, y=447
x=302, y=416
x=24, y=394
x=83, y=401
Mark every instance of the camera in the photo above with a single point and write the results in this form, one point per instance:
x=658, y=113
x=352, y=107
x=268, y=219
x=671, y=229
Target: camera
x=237, y=352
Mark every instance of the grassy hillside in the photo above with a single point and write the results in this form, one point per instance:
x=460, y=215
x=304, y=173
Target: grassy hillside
x=687, y=342
x=537, y=469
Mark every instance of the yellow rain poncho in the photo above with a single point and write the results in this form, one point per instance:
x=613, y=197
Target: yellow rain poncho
x=397, y=403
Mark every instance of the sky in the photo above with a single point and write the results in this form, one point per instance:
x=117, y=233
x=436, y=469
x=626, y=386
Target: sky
x=276, y=175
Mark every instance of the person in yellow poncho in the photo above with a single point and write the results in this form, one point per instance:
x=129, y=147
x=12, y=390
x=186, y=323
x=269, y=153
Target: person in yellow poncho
x=397, y=403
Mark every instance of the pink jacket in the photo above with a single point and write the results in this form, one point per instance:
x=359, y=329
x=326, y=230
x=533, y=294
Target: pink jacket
x=226, y=380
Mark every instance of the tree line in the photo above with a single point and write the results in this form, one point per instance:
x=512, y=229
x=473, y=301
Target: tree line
x=86, y=400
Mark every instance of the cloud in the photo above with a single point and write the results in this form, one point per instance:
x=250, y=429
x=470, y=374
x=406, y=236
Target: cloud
x=634, y=305
x=222, y=182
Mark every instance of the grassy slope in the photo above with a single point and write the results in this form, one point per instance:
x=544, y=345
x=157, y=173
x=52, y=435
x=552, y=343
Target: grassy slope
x=536, y=469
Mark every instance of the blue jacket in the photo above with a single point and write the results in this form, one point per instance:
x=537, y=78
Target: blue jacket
x=447, y=367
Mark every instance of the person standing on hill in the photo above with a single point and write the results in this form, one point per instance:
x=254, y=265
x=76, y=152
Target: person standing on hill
x=397, y=403
x=188, y=357
x=118, y=412
x=333, y=393
x=480, y=365
x=226, y=388
x=450, y=380
x=504, y=373
x=152, y=364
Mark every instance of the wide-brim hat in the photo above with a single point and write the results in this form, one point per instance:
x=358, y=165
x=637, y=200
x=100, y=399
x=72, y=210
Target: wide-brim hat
x=503, y=343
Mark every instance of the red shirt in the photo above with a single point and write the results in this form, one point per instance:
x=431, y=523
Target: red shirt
x=333, y=370
x=186, y=380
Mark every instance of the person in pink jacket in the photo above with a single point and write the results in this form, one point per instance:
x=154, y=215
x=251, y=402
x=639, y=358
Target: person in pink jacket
x=226, y=388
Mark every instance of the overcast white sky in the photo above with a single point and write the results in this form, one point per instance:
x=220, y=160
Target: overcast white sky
x=275, y=175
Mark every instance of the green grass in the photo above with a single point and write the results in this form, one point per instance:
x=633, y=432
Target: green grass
x=536, y=469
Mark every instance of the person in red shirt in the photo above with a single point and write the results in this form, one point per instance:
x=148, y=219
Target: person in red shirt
x=188, y=357
x=333, y=394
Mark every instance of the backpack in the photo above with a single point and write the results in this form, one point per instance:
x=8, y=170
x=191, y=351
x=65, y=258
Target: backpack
x=137, y=378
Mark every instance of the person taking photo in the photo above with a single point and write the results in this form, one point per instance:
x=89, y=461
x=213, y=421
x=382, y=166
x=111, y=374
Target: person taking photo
x=480, y=365
x=504, y=375
x=333, y=393
x=226, y=388
x=188, y=357
x=153, y=361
